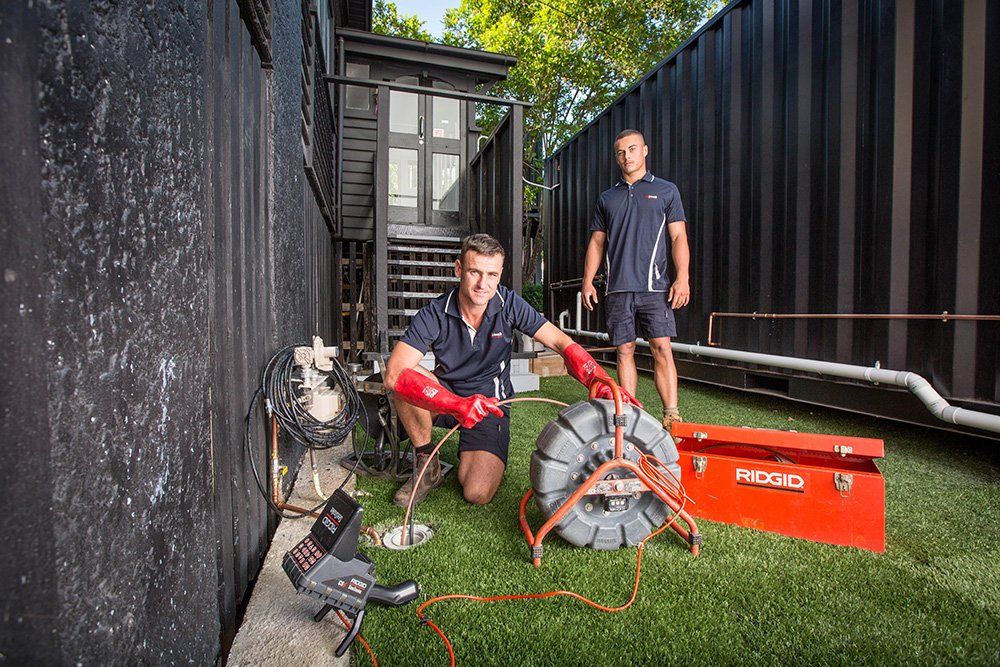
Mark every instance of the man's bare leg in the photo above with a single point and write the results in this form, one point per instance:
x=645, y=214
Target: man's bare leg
x=418, y=423
x=480, y=473
x=665, y=376
x=628, y=377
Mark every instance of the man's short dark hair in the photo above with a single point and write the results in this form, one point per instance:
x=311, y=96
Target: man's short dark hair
x=482, y=244
x=628, y=133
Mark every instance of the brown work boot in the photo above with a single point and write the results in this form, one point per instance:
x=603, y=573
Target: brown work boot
x=668, y=420
x=431, y=479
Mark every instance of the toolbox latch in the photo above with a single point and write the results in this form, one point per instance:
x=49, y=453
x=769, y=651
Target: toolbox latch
x=843, y=450
x=843, y=481
x=700, y=463
x=700, y=435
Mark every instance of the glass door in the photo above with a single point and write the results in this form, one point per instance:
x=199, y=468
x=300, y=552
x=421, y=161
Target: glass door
x=444, y=159
x=425, y=156
x=407, y=113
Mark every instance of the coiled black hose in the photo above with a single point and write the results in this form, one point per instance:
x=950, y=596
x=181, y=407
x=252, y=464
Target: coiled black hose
x=281, y=396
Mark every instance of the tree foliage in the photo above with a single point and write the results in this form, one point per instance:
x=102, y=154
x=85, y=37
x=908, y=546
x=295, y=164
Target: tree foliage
x=386, y=20
x=574, y=56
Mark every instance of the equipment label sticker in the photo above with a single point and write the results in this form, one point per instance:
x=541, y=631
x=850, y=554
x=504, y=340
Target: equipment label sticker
x=782, y=481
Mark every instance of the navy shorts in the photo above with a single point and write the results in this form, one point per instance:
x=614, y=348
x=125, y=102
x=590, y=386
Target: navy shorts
x=492, y=434
x=626, y=313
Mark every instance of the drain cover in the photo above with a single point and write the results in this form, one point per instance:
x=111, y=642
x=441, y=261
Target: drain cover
x=398, y=538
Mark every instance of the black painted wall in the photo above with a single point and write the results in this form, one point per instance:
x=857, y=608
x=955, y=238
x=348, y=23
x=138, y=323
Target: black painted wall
x=834, y=156
x=158, y=243
x=107, y=183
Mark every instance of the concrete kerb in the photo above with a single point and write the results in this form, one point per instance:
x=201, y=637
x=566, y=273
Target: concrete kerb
x=278, y=628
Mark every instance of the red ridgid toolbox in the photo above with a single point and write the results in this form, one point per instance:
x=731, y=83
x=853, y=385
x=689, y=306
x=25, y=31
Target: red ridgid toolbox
x=824, y=488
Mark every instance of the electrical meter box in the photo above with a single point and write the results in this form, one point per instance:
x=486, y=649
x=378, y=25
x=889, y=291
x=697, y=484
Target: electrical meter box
x=824, y=488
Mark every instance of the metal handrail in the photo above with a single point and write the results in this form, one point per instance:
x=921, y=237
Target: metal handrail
x=425, y=90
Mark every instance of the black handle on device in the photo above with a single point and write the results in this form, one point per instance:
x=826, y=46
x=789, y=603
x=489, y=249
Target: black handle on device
x=394, y=596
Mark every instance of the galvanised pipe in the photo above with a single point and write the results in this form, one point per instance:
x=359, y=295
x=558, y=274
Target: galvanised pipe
x=914, y=383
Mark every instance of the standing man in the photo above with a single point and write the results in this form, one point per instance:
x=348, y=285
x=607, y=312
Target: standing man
x=632, y=224
x=470, y=330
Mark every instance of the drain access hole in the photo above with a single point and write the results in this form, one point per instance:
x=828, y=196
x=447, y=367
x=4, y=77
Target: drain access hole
x=399, y=538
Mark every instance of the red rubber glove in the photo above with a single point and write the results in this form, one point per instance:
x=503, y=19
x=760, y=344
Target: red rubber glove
x=419, y=390
x=585, y=368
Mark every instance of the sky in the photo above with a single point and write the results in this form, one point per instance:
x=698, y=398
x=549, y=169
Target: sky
x=428, y=11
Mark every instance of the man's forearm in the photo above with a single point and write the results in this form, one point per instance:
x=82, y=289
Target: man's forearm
x=592, y=262
x=682, y=257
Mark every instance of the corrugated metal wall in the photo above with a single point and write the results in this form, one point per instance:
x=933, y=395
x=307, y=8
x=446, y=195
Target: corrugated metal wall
x=833, y=157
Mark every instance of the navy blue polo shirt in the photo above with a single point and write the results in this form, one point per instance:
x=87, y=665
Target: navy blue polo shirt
x=467, y=360
x=635, y=218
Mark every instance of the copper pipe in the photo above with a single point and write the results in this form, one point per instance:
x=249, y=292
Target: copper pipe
x=372, y=533
x=275, y=464
x=276, y=476
x=944, y=317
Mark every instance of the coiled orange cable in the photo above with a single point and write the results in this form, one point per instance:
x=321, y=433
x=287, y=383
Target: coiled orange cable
x=652, y=466
x=542, y=596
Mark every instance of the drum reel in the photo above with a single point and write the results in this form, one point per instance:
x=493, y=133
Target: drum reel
x=622, y=511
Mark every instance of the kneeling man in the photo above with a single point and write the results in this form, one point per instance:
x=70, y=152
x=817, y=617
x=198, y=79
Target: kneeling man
x=470, y=330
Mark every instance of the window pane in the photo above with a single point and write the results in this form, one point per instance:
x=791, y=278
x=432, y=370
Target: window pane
x=358, y=97
x=446, y=113
x=403, y=177
x=402, y=112
x=445, y=182
x=323, y=11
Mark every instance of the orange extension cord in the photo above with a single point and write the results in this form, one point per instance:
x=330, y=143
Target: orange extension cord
x=649, y=464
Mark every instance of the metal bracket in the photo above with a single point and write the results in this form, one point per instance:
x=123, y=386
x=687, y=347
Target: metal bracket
x=700, y=464
x=611, y=486
x=843, y=482
x=843, y=450
x=550, y=188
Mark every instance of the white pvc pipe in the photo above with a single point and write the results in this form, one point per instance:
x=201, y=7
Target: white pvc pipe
x=917, y=385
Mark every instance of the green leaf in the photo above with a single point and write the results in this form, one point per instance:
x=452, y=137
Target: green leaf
x=386, y=20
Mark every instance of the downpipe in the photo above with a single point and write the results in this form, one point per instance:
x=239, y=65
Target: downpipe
x=914, y=383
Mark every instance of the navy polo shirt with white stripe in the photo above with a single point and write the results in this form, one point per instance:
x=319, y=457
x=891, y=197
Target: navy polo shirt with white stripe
x=473, y=361
x=635, y=218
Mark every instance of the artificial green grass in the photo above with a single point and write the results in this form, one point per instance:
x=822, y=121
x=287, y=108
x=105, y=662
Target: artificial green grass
x=751, y=597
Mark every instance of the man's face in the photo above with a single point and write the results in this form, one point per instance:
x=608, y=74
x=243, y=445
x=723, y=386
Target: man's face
x=630, y=154
x=479, y=276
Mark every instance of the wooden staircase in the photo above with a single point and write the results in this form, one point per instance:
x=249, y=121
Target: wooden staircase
x=420, y=269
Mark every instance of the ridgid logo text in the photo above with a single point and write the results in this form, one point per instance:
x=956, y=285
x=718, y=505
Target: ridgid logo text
x=772, y=480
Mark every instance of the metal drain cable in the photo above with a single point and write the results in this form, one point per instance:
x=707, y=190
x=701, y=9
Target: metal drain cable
x=407, y=523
